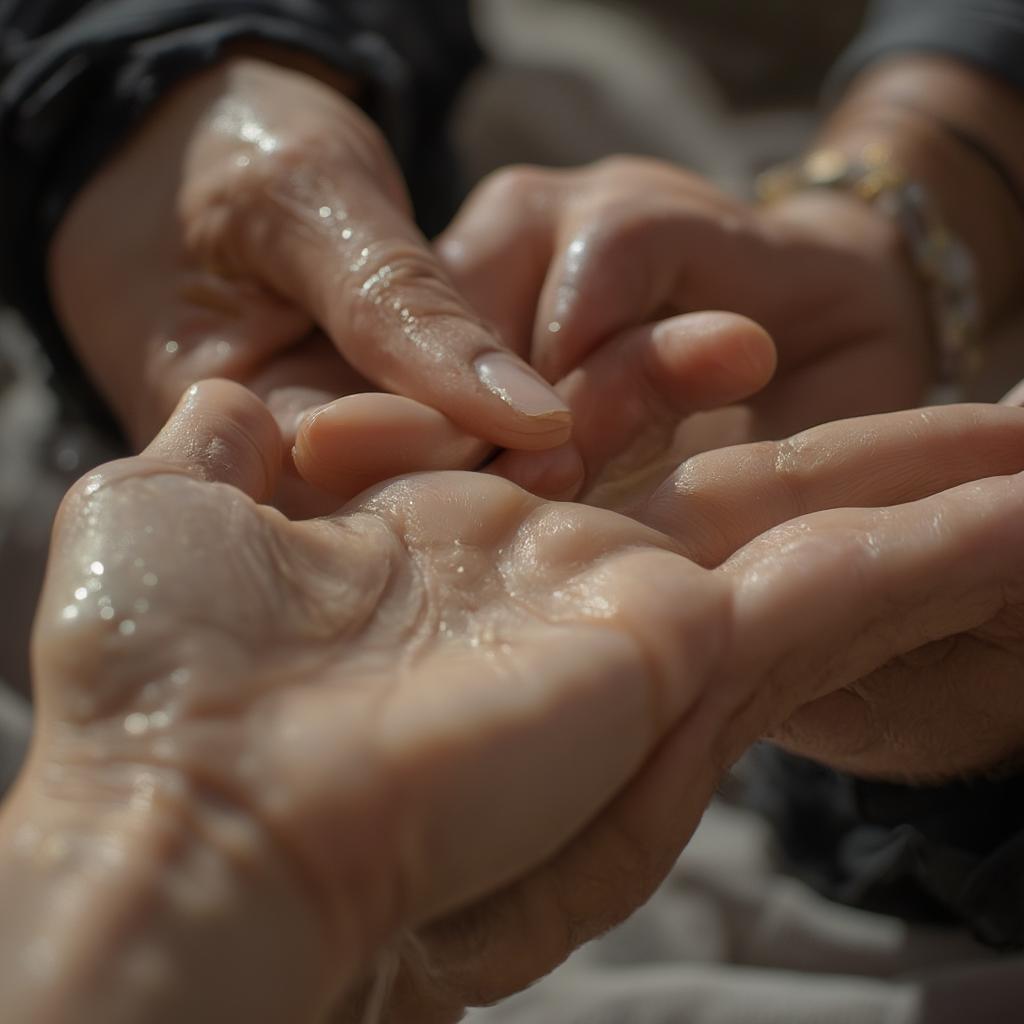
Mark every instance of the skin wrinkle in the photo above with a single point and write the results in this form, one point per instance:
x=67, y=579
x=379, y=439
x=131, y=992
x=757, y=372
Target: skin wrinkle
x=787, y=664
x=211, y=790
x=886, y=739
x=522, y=548
x=463, y=945
x=196, y=803
x=408, y=268
x=376, y=578
x=794, y=462
x=408, y=271
x=856, y=744
x=425, y=623
x=898, y=751
x=687, y=483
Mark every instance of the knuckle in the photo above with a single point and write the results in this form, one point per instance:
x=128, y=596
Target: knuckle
x=393, y=281
x=520, y=188
x=389, y=269
x=794, y=464
x=703, y=473
x=627, y=231
x=242, y=199
x=619, y=166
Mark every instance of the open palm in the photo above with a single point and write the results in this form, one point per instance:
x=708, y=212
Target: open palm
x=459, y=709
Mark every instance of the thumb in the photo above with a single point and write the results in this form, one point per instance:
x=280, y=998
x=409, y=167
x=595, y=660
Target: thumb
x=222, y=433
x=356, y=263
x=115, y=524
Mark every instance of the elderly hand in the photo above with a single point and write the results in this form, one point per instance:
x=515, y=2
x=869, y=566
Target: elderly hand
x=253, y=228
x=268, y=750
x=629, y=400
x=587, y=254
x=595, y=274
x=947, y=704
x=257, y=226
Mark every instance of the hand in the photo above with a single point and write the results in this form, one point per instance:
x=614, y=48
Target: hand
x=629, y=400
x=256, y=226
x=946, y=706
x=341, y=729
x=593, y=274
x=584, y=255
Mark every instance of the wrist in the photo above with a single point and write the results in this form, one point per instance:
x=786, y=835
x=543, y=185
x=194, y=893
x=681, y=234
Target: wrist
x=127, y=897
x=916, y=106
x=825, y=220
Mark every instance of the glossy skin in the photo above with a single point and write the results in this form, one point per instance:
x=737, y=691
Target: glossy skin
x=631, y=241
x=262, y=232
x=257, y=227
x=453, y=710
x=571, y=264
x=561, y=261
x=263, y=229
x=340, y=738
x=628, y=400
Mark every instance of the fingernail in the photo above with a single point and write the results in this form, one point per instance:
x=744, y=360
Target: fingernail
x=520, y=387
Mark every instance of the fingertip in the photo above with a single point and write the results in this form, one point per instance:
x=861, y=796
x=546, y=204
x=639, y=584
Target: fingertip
x=544, y=420
x=221, y=432
x=710, y=359
x=751, y=345
x=557, y=475
x=360, y=440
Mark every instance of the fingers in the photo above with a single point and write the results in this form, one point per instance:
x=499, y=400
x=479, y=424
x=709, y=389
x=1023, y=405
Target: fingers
x=499, y=247
x=947, y=710
x=628, y=398
x=361, y=440
x=355, y=261
x=504, y=943
x=827, y=599
x=114, y=525
x=718, y=501
x=221, y=433
x=622, y=252
x=655, y=375
x=816, y=605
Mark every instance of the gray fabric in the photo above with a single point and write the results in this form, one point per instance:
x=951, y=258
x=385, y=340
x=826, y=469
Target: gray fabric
x=986, y=33
x=730, y=940
x=15, y=726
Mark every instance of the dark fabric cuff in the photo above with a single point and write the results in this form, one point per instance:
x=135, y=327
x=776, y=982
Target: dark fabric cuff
x=951, y=854
x=76, y=92
x=988, y=34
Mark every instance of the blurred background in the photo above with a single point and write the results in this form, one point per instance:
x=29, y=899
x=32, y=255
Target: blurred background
x=725, y=87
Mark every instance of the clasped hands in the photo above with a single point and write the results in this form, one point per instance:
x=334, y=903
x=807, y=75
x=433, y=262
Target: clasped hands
x=454, y=719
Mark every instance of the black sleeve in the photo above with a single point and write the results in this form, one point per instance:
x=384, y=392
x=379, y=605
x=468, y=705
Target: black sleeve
x=77, y=75
x=950, y=854
x=986, y=33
